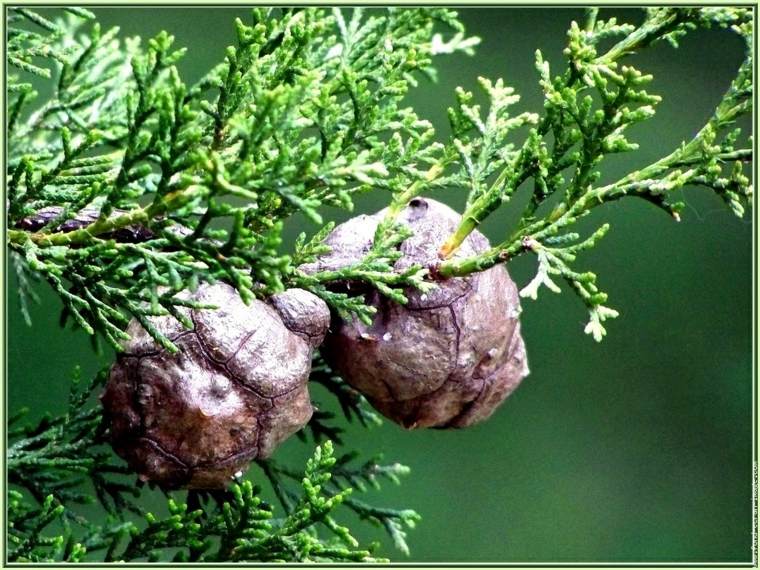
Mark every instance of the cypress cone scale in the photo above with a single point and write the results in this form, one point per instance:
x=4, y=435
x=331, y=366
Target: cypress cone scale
x=235, y=390
x=447, y=358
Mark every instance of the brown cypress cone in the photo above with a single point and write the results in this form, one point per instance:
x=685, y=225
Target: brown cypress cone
x=236, y=389
x=448, y=357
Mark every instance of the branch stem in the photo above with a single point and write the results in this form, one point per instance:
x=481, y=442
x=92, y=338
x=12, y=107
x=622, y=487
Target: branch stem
x=651, y=29
x=82, y=236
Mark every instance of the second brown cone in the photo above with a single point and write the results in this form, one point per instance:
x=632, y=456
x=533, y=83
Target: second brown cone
x=447, y=358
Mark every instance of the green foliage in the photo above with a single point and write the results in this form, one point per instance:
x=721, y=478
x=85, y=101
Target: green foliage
x=63, y=463
x=56, y=456
x=587, y=110
x=376, y=267
x=303, y=112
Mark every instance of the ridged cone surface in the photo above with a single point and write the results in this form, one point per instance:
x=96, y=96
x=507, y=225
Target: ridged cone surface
x=235, y=390
x=448, y=357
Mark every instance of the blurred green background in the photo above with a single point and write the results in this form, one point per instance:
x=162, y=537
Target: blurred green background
x=635, y=449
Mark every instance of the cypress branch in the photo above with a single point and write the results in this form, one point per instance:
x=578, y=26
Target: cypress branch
x=127, y=187
x=582, y=137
